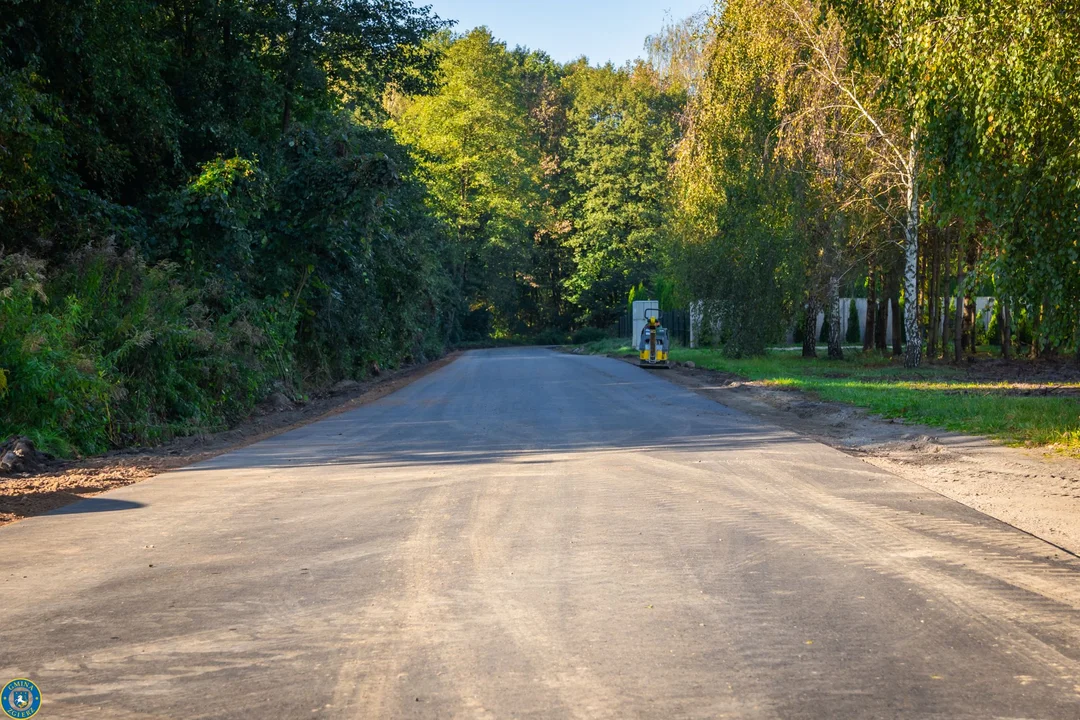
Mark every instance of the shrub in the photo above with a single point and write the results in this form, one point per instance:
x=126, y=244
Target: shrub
x=588, y=335
x=54, y=391
x=1023, y=333
x=550, y=337
x=853, y=335
x=993, y=332
x=253, y=277
x=129, y=354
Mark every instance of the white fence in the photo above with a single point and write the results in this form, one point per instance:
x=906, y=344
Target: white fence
x=984, y=309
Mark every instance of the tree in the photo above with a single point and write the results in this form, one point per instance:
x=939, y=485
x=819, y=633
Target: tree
x=198, y=207
x=353, y=48
x=1006, y=129
x=677, y=52
x=547, y=102
x=740, y=215
x=883, y=109
x=93, y=72
x=622, y=126
x=482, y=175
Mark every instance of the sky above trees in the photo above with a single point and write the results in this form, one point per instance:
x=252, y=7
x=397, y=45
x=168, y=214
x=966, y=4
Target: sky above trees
x=602, y=30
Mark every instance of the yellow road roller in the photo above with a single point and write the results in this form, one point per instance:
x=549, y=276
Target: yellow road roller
x=653, y=344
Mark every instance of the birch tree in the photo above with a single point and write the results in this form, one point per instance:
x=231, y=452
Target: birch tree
x=823, y=137
x=738, y=211
x=879, y=115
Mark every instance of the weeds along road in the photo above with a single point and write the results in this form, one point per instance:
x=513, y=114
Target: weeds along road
x=526, y=534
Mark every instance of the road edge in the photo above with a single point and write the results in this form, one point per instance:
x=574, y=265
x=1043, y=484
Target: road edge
x=740, y=395
x=71, y=481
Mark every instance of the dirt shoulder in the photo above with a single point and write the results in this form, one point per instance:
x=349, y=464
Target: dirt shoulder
x=61, y=483
x=1034, y=491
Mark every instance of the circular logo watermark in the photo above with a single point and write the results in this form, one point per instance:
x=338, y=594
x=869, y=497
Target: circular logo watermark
x=20, y=699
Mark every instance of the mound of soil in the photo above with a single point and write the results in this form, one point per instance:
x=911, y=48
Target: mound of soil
x=1056, y=371
x=18, y=455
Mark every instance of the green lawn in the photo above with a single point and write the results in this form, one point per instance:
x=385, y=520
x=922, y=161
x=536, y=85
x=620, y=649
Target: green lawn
x=934, y=395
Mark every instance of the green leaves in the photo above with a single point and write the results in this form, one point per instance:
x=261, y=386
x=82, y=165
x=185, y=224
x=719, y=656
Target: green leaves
x=200, y=251
x=622, y=126
x=832, y=114
x=736, y=245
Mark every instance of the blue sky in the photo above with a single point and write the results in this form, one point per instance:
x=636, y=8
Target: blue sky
x=602, y=30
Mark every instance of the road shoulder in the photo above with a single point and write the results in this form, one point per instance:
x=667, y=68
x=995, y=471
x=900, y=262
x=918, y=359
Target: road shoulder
x=62, y=483
x=1038, y=493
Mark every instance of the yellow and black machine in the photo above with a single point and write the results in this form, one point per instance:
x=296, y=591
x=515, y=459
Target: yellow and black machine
x=653, y=344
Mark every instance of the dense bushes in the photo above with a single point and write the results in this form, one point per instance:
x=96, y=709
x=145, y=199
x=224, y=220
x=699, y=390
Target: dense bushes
x=196, y=214
x=288, y=277
x=48, y=384
x=109, y=351
x=588, y=335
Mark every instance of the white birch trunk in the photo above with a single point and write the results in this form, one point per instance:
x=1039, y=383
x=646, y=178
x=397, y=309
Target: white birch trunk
x=836, y=350
x=913, y=355
x=958, y=326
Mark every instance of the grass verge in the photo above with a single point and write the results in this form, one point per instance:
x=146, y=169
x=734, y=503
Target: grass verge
x=936, y=395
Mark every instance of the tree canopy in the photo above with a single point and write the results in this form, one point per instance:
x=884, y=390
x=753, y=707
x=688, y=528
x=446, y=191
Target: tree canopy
x=554, y=178
x=828, y=137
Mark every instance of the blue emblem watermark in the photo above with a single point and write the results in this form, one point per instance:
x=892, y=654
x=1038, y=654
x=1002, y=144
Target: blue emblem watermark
x=21, y=699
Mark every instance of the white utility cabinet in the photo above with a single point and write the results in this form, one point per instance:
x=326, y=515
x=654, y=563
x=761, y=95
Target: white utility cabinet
x=641, y=311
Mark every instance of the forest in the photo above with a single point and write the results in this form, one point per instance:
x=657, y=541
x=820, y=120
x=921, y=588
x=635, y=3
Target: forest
x=202, y=203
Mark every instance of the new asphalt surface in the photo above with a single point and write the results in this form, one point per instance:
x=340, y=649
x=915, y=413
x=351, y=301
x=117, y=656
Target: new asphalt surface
x=529, y=534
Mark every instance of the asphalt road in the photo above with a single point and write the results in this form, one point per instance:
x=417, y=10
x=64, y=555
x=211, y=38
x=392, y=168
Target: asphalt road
x=527, y=534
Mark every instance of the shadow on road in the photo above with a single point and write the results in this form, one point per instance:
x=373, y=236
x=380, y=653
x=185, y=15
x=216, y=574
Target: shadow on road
x=96, y=505
x=447, y=446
